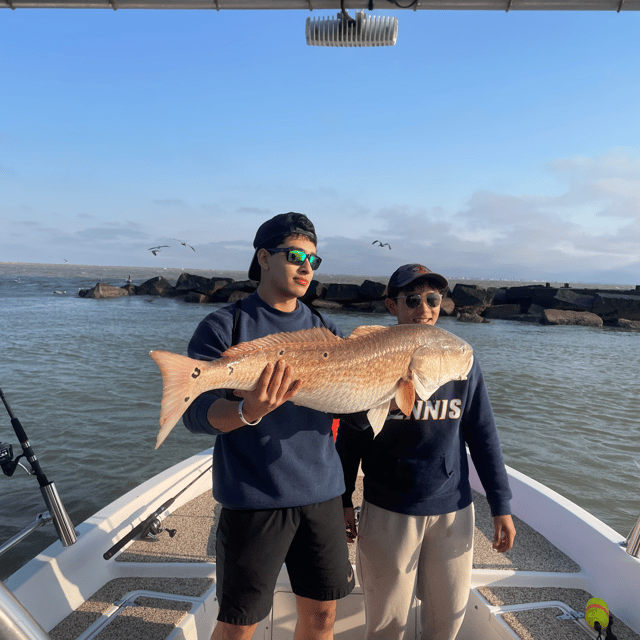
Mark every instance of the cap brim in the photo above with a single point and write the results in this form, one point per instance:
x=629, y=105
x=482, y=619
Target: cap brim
x=439, y=281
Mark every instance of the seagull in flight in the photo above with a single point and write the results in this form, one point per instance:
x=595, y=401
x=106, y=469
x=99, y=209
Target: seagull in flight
x=183, y=243
x=382, y=244
x=155, y=250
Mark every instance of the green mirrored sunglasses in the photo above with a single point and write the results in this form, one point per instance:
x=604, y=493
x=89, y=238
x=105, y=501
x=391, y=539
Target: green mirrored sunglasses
x=298, y=256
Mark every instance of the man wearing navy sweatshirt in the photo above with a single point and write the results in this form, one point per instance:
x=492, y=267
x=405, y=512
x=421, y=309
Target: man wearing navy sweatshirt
x=416, y=526
x=276, y=471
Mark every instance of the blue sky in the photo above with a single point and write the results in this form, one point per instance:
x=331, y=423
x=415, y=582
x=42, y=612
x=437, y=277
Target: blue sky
x=484, y=144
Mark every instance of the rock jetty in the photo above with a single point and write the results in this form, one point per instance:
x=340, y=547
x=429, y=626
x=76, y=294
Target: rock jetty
x=540, y=304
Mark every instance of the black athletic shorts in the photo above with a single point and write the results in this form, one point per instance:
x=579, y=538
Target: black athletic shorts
x=252, y=546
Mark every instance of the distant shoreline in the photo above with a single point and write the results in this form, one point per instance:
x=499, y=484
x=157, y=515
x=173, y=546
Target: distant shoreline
x=101, y=271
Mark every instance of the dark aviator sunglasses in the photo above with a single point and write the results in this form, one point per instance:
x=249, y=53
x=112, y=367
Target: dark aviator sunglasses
x=414, y=300
x=298, y=256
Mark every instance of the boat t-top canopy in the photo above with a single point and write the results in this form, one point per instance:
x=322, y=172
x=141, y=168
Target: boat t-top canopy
x=319, y=5
x=343, y=30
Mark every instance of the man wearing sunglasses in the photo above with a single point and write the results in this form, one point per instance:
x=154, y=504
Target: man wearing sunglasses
x=276, y=471
x=416, y=527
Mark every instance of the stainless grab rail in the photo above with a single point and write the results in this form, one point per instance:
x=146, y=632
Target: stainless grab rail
x=40, y=521
x=632, y=544
x=16, y=623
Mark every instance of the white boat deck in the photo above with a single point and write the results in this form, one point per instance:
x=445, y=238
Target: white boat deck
x=180, y=577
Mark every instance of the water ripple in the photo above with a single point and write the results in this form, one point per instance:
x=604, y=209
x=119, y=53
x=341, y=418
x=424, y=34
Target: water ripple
x=77, y=374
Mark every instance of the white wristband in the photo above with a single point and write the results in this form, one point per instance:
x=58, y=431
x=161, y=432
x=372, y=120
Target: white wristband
x=249, y=424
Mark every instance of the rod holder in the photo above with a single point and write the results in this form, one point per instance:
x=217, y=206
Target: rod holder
x=61, y=521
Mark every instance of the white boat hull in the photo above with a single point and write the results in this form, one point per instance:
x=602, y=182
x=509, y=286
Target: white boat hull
x=59, y=580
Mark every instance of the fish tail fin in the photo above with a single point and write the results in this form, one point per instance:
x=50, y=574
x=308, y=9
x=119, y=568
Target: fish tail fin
x=179, y=374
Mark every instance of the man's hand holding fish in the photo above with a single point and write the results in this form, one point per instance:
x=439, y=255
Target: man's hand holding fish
x=275, y=386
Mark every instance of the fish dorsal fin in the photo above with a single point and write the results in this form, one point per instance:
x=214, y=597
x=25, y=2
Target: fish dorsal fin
x=377, y=416
x=318, y=334
x=365, y=330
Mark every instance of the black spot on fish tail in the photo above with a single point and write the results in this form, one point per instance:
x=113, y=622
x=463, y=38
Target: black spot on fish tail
x=196, y=373
x=325, y=355
x=282, y=352
x=187, y=398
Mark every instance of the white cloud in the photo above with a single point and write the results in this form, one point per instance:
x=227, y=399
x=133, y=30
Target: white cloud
x=589, y=230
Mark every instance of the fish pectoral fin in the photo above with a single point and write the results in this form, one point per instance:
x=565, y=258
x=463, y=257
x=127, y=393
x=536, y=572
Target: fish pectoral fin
x=377, y=416
x=426, y=384
x=406, y=396
x=424, y=388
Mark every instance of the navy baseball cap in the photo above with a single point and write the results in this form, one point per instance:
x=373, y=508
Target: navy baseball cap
x=407, y=273
x=284, y=224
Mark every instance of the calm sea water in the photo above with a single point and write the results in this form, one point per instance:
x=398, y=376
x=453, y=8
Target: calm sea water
x=77, y=374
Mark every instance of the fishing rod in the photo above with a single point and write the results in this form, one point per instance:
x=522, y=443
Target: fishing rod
x=150, y=526
x=58, y=514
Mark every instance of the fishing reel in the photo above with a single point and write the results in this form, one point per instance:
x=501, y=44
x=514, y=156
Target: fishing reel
x=154, y=528
x=61, y=521
x=7, y=461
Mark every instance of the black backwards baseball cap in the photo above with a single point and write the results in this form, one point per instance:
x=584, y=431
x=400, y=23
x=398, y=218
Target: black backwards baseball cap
x=407, y=273
x=272, y=232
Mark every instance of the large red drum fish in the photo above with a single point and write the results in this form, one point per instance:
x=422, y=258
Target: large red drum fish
x=339, y=375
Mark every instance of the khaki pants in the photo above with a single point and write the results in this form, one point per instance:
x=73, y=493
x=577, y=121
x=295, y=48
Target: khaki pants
x=397, y=553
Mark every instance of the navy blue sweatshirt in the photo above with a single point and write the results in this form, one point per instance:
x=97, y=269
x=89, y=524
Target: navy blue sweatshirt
x=289, y=459
x=417, y=464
